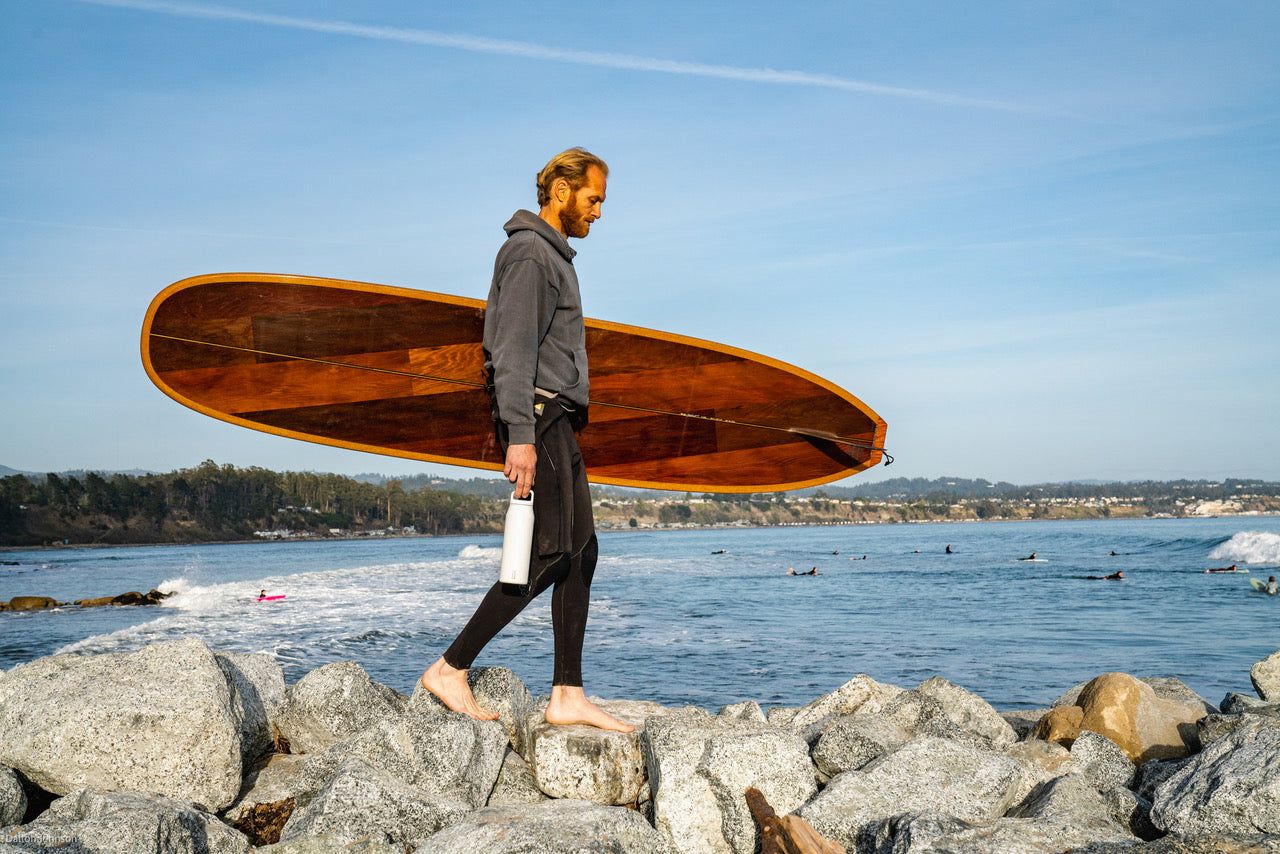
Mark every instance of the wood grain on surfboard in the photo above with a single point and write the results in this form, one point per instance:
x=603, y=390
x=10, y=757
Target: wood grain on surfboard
x=397, y=371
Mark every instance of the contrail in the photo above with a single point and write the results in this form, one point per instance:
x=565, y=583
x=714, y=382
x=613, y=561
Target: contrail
x=527, y=50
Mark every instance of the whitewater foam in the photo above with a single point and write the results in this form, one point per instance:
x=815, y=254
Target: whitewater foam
x=1254, y=547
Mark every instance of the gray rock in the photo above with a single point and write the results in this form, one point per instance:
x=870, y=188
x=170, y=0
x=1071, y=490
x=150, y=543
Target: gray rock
x=516, y=784
x=1041, y=761
x=1131, y=812
x=1236, y=704
x=1069, y=796
x=1265, y=675
x=360, y=800
x=322, y=844
x=334, y=702
x=257, y=696
x=1101, y=761
x=270, y=782
x=1204, y=843
x=747, y=711
x=1171, y=688
x=1023, y=721
x=1210, y=728
x=157, y=720
x=13, y=799
x=566, y=826
x=969, y=711
x=700, y=767
x=851, y=741
x=1154, y=772
x=443, y=753
x=1232, y=787
x=922, y=715
x=587, y=763
x=859, y=694
x=937, y=833
x=781, y=715
x=926, y=774
x=495, y=688
x=127, y=823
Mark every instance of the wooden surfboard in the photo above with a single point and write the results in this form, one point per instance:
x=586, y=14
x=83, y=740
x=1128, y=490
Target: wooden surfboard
x=398, y=372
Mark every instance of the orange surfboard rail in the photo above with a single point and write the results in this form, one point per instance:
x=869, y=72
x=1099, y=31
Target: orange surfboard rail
x=397, y=371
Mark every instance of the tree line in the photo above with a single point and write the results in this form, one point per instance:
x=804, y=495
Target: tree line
x=211, y=503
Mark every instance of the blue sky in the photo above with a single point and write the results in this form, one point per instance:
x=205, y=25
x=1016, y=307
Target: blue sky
x=1042, y=240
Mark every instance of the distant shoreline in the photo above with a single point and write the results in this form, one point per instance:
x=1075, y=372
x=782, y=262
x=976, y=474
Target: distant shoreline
x=652, y=528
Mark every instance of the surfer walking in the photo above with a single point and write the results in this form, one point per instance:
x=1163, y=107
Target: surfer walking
x=536, y=367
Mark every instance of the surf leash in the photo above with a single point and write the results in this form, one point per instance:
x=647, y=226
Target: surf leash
x=801, y=431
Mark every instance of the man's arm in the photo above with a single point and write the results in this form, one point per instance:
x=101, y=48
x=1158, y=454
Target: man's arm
x=518, y=318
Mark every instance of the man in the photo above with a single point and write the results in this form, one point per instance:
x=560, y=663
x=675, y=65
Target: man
x=536, y=361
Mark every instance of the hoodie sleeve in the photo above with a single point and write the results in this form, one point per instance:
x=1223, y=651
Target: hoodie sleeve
x=521, y=316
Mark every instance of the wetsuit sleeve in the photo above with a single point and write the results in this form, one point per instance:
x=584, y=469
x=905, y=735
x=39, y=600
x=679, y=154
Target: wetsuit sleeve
x=522, y=312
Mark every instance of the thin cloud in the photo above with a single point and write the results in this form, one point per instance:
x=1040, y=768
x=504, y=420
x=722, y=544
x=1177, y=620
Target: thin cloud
x=527, y=50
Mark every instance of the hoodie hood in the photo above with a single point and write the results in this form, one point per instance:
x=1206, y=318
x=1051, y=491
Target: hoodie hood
x=523, y=220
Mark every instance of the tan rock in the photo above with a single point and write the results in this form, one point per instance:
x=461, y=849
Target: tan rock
x=1127, y=711
x=1060, y=725
x=32, y=603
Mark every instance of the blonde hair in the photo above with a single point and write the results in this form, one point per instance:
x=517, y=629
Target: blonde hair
x=571, y=165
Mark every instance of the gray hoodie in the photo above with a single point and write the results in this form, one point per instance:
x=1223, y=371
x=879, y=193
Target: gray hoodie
x=533, y=329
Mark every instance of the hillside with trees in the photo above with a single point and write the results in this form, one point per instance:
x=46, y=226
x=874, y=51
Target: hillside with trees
x=219, y=503
x=213, y=503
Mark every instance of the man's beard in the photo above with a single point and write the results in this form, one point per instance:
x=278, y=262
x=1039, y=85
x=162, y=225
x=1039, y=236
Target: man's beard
x=573, y=221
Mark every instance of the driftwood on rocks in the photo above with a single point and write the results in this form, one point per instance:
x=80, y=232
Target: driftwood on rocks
x=788, y=834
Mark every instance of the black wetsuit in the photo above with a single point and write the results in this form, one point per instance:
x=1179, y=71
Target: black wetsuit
x=565, y=549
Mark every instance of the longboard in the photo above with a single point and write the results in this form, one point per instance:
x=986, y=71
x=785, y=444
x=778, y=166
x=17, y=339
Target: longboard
x=397, y=371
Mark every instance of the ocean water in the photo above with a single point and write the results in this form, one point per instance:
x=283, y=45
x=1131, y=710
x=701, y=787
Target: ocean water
x=675, y=622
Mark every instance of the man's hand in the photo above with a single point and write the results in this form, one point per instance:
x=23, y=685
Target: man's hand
x=521, y=462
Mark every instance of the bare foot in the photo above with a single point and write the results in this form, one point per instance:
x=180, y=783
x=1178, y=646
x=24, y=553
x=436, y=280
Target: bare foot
x=450, y=685
x=569, y=705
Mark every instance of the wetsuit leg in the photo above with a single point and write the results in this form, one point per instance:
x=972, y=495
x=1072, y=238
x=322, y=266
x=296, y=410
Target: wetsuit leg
x=570, y=602
x=571, y=599
x=502, y=604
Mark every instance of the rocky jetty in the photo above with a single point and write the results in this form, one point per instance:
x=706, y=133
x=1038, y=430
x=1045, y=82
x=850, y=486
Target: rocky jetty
x=177, y=748
x=42, y=603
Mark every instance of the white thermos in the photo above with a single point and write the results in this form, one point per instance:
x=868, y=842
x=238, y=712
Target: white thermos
x=517, y=541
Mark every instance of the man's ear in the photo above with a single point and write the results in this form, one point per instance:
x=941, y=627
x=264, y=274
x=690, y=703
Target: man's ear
x=561, y=190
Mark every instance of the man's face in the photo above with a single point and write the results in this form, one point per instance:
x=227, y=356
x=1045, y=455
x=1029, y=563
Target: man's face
x=583, y=207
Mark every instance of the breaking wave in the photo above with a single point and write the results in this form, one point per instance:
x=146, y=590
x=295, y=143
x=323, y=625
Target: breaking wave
x=1250, y=547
